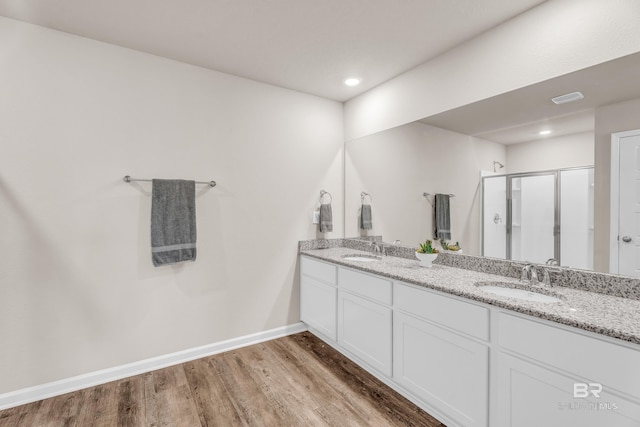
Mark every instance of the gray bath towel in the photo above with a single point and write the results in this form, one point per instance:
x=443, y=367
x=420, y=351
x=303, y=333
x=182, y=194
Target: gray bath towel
x=442, y=217
x=326, y=218
x=173, y=221
x=365, y=217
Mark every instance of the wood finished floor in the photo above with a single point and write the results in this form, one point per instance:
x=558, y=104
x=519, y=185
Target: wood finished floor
x=293, y=381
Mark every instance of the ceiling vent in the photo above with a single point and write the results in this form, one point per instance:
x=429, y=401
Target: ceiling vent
x=569, y=97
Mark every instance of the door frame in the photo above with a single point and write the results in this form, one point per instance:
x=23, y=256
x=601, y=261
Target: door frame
x=614, y=197
x=483, y=175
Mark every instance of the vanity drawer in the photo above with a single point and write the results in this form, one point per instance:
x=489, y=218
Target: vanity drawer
x=374, y=288
x=577, y=353
x=470, y=319
x=318, y=270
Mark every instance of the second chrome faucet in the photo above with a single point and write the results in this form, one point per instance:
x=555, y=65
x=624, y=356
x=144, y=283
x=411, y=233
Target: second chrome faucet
x=530, y=274
x=378, y=248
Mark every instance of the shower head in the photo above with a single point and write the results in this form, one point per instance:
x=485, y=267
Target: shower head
x=496, y=163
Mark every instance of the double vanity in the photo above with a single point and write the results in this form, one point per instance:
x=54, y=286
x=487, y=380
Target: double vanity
x=474, y=348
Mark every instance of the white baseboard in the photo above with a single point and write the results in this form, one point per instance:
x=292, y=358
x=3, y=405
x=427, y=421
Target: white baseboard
x=55, y=388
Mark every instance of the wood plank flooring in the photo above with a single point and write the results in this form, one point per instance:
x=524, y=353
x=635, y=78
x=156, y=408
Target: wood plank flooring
x=292, y=381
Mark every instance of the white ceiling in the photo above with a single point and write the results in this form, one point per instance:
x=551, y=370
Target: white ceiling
x=519, y=115
x=306, y=45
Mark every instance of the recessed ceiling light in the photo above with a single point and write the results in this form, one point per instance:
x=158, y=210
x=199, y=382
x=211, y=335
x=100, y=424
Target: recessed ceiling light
x=352, y=81
x=568, y=97
x=544, y=132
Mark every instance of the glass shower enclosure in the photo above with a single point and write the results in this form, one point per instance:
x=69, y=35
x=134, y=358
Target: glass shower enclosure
x=539, y=216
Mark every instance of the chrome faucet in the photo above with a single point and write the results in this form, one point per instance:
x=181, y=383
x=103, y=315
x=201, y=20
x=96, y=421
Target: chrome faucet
x=546, y=278
x=526, y=271
x=534, y=275
x=530, y=274
x=552, y=268
x=378, y=248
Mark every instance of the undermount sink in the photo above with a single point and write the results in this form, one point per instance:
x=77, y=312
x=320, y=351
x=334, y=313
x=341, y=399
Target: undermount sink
x=360, y=258
x=506, y=289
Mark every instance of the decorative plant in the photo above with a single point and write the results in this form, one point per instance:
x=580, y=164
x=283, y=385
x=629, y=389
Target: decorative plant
x=447, y=247
x=426, y=248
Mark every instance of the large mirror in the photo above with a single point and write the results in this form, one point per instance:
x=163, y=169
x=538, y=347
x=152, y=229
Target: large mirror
x=450, y=152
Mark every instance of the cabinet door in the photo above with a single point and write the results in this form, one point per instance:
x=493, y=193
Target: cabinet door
x=318, y=306
x=447, y=371
x=530, y=395
x=364, y=329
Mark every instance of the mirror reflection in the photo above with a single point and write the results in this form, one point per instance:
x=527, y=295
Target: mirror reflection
x=451, y=153
x=542, y=217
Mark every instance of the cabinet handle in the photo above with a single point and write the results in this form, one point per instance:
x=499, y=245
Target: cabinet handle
x=626, y=239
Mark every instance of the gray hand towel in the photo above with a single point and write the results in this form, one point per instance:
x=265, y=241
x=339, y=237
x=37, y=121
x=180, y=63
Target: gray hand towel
x=365, y=217
x=173, y=221
x=442, y=217
x=326, y=218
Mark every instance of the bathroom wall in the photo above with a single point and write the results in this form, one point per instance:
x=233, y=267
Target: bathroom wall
x=576, y=218
x=609, y=119
x=563, y=152
x=555, y=38
x=78, y=291
x=398, y=165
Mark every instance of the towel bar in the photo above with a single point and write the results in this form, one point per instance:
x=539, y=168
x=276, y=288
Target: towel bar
x=428, y=194
x=128, y=178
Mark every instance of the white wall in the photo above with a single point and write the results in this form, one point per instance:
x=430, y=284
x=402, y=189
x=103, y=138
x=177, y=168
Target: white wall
x=576, y=218
x=610, y=119
x=555, y=38
x=563, y=152
x=398, y=165
x=78, y=291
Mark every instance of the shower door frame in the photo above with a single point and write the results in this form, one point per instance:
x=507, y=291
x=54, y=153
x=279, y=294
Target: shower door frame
x=557, y=235
x=556, y=210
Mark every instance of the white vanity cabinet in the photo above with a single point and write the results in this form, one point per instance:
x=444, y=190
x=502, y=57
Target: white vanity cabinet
x=318, y=296
x=551, y=375
x=468, y=363
x=350, y=309
x=440, y=353
x=364, y=318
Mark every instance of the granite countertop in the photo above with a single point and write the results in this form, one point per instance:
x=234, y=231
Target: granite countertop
x=608, y=315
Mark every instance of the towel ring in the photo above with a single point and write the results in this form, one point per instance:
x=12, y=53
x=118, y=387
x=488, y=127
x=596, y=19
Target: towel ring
x=363, y=195
x=323, y=193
